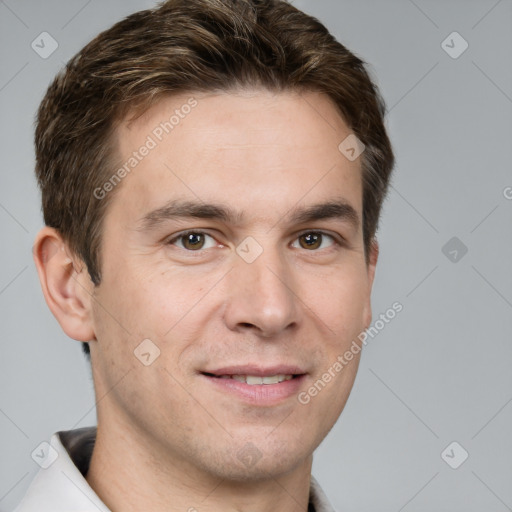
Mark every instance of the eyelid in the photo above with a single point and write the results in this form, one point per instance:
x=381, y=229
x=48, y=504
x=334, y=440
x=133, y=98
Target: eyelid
x=336, y=238
x=181, y=234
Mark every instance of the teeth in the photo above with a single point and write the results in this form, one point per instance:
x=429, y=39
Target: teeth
x=255, y=380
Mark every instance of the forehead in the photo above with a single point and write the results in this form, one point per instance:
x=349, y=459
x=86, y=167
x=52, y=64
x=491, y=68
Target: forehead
x=254, y=150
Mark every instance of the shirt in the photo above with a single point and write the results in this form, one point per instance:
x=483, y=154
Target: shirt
x=60, y=484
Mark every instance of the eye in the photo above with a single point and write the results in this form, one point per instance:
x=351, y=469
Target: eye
x=313, y=240
x=193, y=241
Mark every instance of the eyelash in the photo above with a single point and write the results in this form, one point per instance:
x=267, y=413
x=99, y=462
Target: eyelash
x=338, y=242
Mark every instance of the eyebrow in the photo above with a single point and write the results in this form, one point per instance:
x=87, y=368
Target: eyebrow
x=179, y=209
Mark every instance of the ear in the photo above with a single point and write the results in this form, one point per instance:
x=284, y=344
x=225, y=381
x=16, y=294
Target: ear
x=66, y=284
x=372, y=263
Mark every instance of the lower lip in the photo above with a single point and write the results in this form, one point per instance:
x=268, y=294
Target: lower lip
x=258, y=394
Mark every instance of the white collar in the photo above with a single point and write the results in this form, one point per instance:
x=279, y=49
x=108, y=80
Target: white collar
x=61, y=487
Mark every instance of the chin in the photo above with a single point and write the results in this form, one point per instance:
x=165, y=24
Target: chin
x=259, y=460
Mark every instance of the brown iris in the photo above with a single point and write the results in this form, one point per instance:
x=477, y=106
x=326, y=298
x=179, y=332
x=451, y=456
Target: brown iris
x=310, y=240
x=193, y=241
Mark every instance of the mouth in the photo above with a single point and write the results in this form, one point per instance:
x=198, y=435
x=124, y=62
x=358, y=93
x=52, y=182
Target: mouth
x=254, y=380
x=256, y=385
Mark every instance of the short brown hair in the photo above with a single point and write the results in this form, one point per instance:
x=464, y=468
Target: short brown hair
x=184, y=46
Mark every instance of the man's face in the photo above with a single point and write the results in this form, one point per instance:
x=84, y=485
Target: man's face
x=266, y=282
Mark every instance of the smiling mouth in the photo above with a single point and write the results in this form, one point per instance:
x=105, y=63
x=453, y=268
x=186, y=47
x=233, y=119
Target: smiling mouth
x=254, y=380
x=257, y=386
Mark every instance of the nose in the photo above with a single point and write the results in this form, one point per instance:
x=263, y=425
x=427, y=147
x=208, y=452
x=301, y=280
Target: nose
x=261, y=297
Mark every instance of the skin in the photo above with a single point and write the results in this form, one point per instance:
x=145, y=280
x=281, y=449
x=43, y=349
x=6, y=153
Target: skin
x=167, y=439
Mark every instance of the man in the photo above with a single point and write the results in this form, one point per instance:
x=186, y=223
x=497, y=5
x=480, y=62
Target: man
x=212, y=174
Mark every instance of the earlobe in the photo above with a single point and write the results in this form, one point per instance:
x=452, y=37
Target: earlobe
x=66, y=284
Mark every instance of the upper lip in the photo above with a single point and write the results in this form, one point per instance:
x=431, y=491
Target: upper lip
x=257, y=371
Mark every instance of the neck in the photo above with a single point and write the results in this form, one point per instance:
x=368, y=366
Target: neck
x=132, y=475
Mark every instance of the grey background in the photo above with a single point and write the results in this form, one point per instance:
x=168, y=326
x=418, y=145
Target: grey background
x=439, y=372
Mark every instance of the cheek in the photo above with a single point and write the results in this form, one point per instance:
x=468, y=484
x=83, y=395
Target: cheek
x=338, y=300
x=146, y=304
